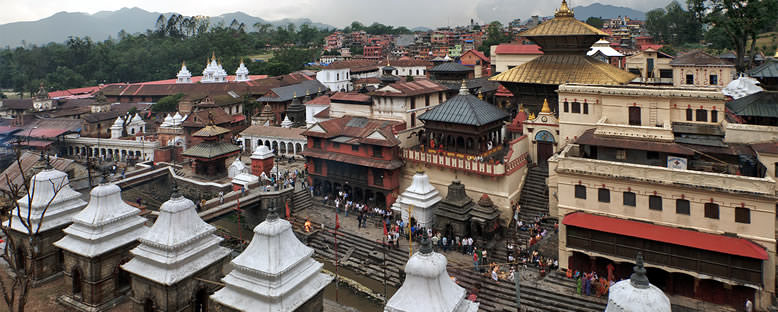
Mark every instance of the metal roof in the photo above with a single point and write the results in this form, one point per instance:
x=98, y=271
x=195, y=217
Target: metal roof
x=559, y=69
x=762, y=104
x=464, y=109
x=448, y=67
x=211, y=149
x=289, y=92
x=767, y=70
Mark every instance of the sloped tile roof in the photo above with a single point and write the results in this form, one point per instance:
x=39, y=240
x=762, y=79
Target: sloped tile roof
x=210, y=131
x=358, y=128
x=698, y=58
x=274, y=132
x=287, y=93
x=410, y=88
x=464, y=109
x=563, y=26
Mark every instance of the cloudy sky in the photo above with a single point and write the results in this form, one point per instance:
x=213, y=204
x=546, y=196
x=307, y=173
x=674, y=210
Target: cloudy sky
x=334, y=12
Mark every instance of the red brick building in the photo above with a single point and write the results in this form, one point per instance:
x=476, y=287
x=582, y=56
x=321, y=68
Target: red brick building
x=477, y=59
x=358, y=155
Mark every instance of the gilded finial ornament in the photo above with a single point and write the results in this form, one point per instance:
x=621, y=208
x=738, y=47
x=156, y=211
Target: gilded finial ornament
x=545, y=108
x=564, y=10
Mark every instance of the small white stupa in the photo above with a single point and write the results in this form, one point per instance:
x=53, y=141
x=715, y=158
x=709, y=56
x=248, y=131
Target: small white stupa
x=286, y=123
x=177, y=246
x=107, y=223
x=177, y=119
x=184, y=76
x=61, y=208
x=167, y=122
x=276, y=272
x=636, y=294
x=242, y=73
x=422, y=196
x=237, y=167
x=116, y=128
x=213, y=72
x=428, y=287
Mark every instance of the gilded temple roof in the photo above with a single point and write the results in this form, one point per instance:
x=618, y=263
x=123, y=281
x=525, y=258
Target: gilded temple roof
x=563, y=24
x=560, y=69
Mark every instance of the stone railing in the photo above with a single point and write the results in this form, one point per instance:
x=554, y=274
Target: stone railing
x=661, y=175
x=745, y=133
x=662, y=134
x=516, y=158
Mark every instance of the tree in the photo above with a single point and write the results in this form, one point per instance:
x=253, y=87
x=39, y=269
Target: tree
x=167, y=104
x=16, y=294
x=739, y=20
x=494, y=35
x=673, y=25
x=596, y=22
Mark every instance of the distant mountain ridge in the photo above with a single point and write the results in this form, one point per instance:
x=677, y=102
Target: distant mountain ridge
x=607, y=11
x=105, y=24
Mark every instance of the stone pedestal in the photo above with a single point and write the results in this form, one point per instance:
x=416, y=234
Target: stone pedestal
x=261, y=161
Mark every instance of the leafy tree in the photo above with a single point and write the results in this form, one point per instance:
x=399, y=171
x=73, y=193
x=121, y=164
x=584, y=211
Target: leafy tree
x=673, y=25
x=739, y=20
x=494, y=35
x=666, y=49
x=597, y=22
x=167, y=104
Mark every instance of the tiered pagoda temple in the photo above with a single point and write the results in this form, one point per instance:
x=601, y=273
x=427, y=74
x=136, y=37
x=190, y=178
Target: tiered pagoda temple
x=428, y=287
x=210, y=156
x=276, y=272
x=96, y=244
x=51, y=204
x=464, y=124
x=564, y=41
x=174, y=260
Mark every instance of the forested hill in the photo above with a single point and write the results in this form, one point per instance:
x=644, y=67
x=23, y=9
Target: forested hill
x=99, y=26
x=157, y=54
x=607, y=11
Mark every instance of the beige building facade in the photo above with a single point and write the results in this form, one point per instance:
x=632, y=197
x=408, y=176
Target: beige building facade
x=651, y=66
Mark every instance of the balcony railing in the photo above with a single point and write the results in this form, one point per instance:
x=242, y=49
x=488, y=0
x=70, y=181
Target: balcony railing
x=663, y=134
x=660, y=175
x=514, y=159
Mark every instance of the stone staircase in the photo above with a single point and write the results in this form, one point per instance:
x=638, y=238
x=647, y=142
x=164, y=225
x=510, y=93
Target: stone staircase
x=534, y=194
x=301, y=200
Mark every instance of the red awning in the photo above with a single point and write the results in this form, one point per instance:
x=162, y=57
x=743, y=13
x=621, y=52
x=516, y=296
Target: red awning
x=670, y=235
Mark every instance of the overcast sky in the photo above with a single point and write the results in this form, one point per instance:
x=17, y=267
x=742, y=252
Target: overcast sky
x=338, y=13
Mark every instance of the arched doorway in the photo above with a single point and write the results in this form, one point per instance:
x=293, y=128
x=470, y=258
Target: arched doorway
x=201, y=300
x=148, y=305
x=76, y=282
x=545, y=146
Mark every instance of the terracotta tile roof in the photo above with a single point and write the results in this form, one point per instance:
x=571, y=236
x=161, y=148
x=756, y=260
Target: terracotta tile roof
x=767, y=148
x=16, y=104
x=325, y=113
x=254, y=87
x=412, y=88
x=478, y=54
x=354, y=65
x=358, y=129
x=410, y=63
x=356, y=160
x=698, y=58
x=351, y=97
x=274, y=132
x=559, y=69
x=200, y=119
x=319, y=100
x=589, y=138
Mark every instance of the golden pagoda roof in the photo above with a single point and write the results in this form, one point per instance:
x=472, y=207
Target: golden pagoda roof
x=210, y=131
x=563, y=24
x=560, y=69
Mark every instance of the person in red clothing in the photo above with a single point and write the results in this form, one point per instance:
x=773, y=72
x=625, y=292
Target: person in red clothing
x=475, y=261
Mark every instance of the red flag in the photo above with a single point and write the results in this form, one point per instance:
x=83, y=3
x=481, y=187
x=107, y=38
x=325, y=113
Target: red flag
x=385, y=231
x=337, y=222
x=288, y=213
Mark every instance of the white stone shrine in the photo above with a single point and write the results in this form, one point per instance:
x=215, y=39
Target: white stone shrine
x=45, y=185
x=237, y=167
x=276, y=272
x=214, y=72
x=428, y=287
x=636, y=294
x=105, y=224
x=184, y=76
x=242, y=73
x=422, y=196
x=177, y=246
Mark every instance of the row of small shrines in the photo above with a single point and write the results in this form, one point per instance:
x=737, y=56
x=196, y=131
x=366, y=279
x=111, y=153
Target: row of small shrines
x=107, y=252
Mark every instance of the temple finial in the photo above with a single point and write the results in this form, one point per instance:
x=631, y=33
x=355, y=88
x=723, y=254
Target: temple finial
x=638, y=278
x=426, y=245
x=271, y=211
x=564, y=10
x=463, y=89
x=175, y=193
x=546, y=108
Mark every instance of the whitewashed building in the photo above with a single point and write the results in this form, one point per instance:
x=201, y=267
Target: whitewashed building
x=423, y=197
